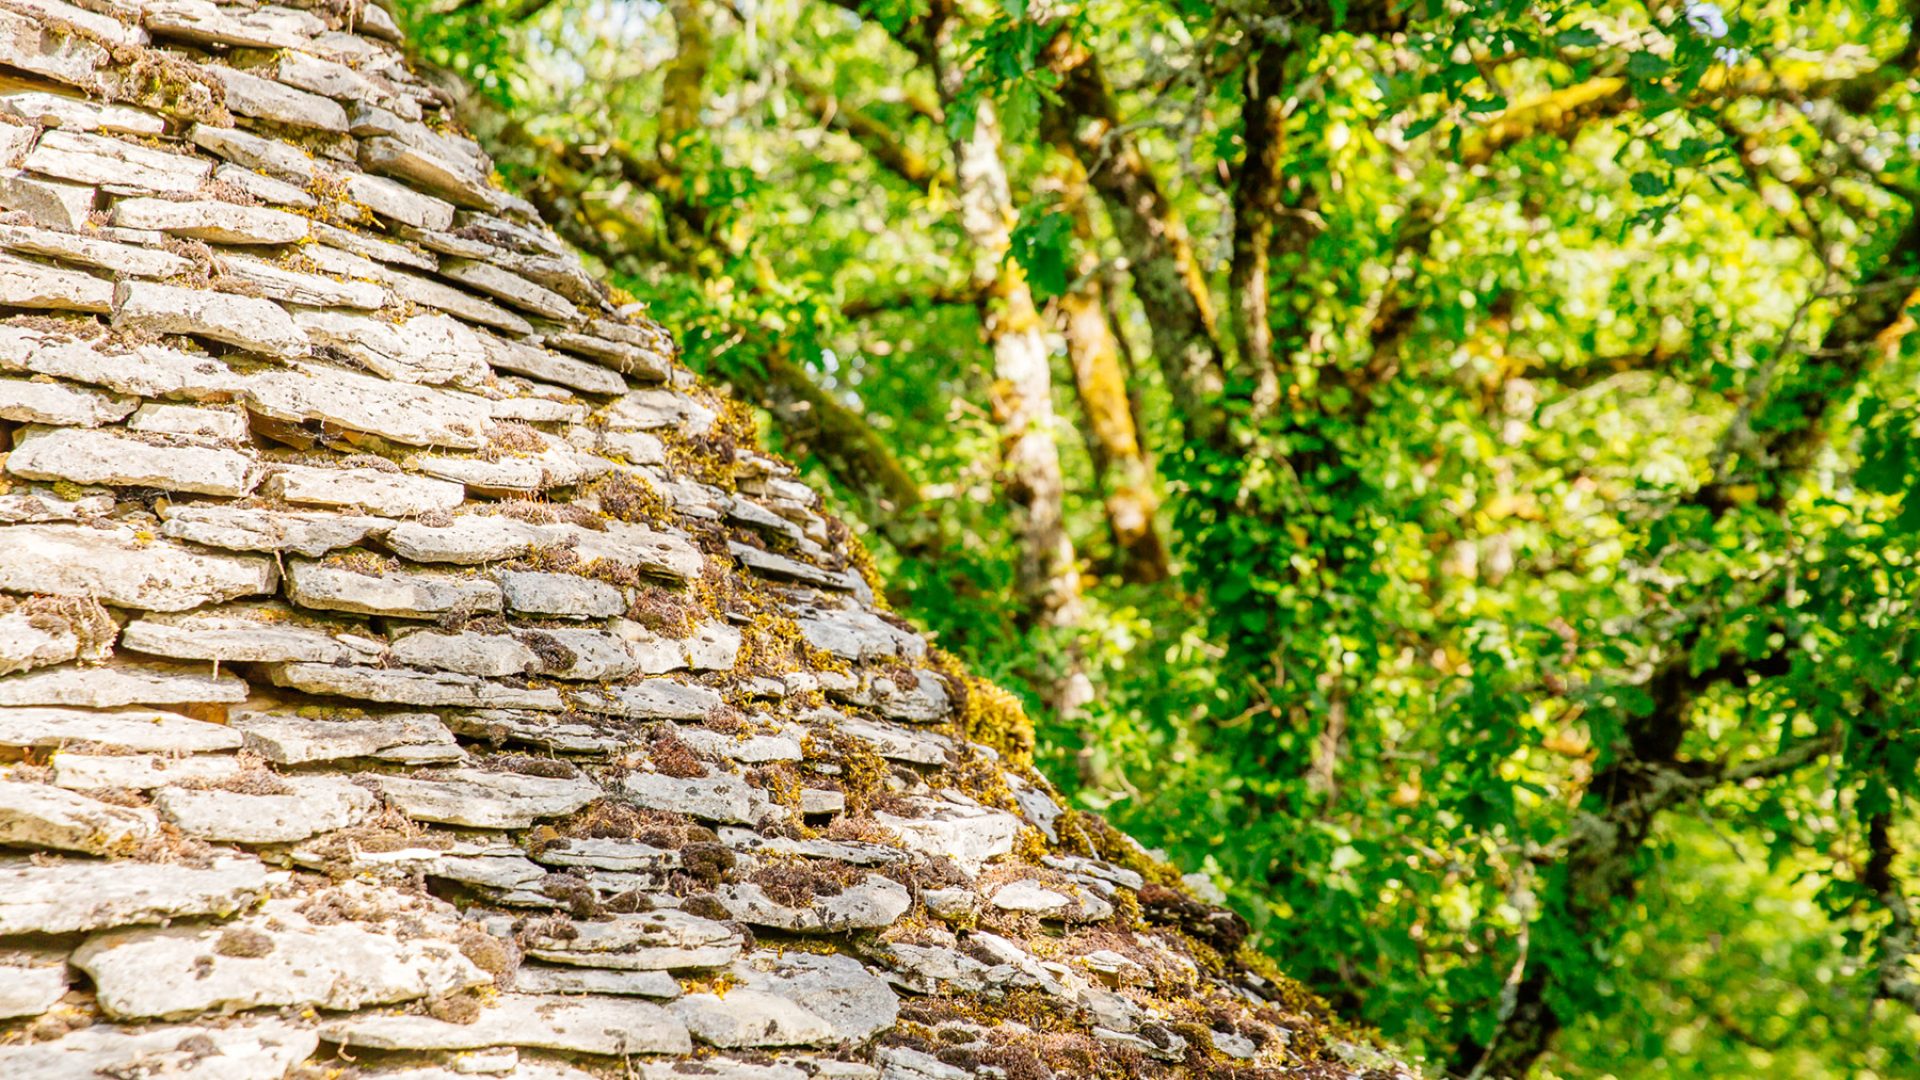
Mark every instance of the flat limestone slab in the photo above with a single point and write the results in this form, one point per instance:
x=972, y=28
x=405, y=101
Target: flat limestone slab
x=139, y=730
x=247, y=1051
x=585, y=1025
x=59, y=896
x=110, y=457
x=118, y=567
x=486, y=800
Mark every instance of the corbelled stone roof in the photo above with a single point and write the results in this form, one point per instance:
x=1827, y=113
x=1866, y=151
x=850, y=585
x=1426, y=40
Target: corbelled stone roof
x=408, y=671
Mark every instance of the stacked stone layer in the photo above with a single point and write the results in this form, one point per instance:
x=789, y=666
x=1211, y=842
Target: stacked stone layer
x=408, y=671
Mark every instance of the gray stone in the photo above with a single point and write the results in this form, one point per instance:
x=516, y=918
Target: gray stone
x=128, y=729
x=242, y=528
x=413, y=415
x=270, y=156
x=60, y=896
x=467, y=652
x=30, y=284
x=539, y=979
x=468, y=539
x=868, y=904
x=398, y=202
x=584, y=1025
x=1027, y=895
x=838, y=989
x=44, y=816
x=427, y=349
x=242, y=1051
x=280, y=958
x=119, y=460
x=651, y=699
x=721, y=796
x=650, y=410
x=263, y=188
x=402, y=686
x=119, y=684
x=563, y=595
x=848, y=851
x=518, y=291
x=486, y=800
x=751, y=1018
x=118, y=567
x=655, y=551
x=858, y=635
x=552, y=367
x=372, y=490
x=211, y=24
x=288, y=739
x=251, y=95
x=546, y=730
x=211, y=220
x=100, y=159
x=401, y=593
x=969, y=835
x=145, y=371
x=428, y=166
x=891, y=741
x=651, y=941
x=92, y=251
x=249, y=322
x=139, y=772
x=434, y=293
x=30, y=44
x=311, y=804
x=595, y=655
x=298, y=287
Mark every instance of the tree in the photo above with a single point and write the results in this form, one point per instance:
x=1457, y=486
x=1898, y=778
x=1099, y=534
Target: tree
x=1518, y=399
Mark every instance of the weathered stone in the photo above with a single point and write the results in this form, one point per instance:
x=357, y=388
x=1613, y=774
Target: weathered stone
x=538, y=979
x=109, y=457
x=251, y=95
x=277, y=159
x=751, y=1018
x=468, y=539
x=28, y=642
x=467, y=652
x=44, y=816
x=628, y=359
x=32, y=982
x=79, y=114
x=297, y=287
x=442, y=173
x=100, y=159
x=42, y=402
x=287, y=739
x=969, y=835
x=782, y=568
x=858, y=853
x=217, y=424
x=30, y=284
x=372, y=490
x=398, y=202
x=562, y=595
x=249, y=322
x=308, y=805
x=858, y=635
x=609, y=853
x=1031, y=896
x=139, y=772
x=401, y=593
x=144, y=371
x=544, y=730
x=91, y=251
x=587, y=655
x=30, y=44
x=518, y=291
x=434, y=293
x=584, y=1025
x=60, y=896
x=243, y=1051
x=403, y=686
x=342, y=399
x=428, y=349
x=721, y=1068
x=745, y=746
x=129, y=729
x=211, y=24
x=871, y=903
x=721, y=796
x=263, y=188
x=211, y=220
x=242, y=528
x=652, y=550
x=919, y=696
x=552, y=367
x=839, y=989
x=119, y=684
x=651, y=699
x=650, y=410
x=651, y=941
x=280, y=958
x=50, y=204
x=891, y=741
x=486, y=800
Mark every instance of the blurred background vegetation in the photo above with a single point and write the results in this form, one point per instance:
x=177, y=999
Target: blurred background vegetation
x=1442, y=469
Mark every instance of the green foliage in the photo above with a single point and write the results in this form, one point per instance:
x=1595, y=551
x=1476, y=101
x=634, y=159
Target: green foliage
x=1561, y=423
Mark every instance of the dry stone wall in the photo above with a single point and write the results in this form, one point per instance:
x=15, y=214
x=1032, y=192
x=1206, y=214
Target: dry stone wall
x=408, y=671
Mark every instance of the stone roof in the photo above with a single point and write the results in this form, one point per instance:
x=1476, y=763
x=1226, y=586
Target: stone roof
x=408, y=671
